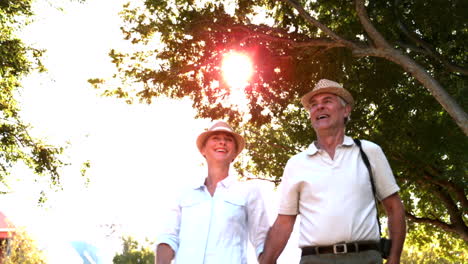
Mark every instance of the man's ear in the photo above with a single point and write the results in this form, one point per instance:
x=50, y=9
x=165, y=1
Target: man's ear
x=347, y=110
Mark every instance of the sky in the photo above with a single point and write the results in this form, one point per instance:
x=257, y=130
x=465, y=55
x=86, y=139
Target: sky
x=138, y=153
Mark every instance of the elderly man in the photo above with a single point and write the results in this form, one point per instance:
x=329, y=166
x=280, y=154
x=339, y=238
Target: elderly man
x=328, y=184
x=210, y=223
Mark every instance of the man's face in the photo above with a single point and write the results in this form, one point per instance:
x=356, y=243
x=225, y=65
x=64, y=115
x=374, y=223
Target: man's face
x=220, y=146
x=327, y=112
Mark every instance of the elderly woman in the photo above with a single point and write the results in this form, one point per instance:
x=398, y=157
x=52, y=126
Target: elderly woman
x=210, y=223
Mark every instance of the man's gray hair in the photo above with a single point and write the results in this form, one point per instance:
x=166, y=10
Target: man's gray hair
x=344, y=103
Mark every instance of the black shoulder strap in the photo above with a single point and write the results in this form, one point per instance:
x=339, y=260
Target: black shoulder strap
x=371, y=176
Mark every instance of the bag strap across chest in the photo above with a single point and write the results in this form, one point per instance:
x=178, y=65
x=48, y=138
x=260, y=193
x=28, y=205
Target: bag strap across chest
x=371, y=176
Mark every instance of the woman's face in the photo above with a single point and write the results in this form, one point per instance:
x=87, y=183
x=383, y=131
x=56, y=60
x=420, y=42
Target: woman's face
x=220, y=146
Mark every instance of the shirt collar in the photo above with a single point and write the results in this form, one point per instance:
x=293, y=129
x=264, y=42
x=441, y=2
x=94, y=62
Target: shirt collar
x=228, y=181
x=312, y=149
x=348, y=141
x=198, y=184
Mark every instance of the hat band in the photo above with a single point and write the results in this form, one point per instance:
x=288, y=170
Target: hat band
x=221, y=128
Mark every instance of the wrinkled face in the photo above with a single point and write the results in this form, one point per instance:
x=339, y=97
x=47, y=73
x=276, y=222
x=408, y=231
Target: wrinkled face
x=220, y=146
x=327, y=112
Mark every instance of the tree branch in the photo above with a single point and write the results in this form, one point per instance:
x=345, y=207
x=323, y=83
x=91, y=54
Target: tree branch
x=457, y=225
x=378, y=39
x=431, y=175
x=411, y=47
x=283, y=147
x=384, y=50
x=455, y=215
x=426, y=220
x=427, y=48
x=459, y=193
x=322, y=27
x=241, y=173
x=455, y=69
x=263, y=179
x=419, y=73
x=293, y=43
x=441, y=189
x=437, y=223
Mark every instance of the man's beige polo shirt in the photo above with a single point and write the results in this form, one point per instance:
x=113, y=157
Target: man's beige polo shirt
x=334, y=197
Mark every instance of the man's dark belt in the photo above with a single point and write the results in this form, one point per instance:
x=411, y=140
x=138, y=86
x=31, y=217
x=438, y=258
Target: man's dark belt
x=340, y=248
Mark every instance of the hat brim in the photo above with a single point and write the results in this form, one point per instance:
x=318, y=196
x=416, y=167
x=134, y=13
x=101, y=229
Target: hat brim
x=341, y=92
x=240, y=142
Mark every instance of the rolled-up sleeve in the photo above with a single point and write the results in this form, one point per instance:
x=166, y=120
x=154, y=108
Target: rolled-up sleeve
x=169, y=233
x=257, y=219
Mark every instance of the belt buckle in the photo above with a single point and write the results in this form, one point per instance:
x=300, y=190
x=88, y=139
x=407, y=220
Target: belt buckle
x=337, y=249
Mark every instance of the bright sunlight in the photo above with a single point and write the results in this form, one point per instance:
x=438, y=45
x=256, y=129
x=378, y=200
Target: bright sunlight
x=237, y=69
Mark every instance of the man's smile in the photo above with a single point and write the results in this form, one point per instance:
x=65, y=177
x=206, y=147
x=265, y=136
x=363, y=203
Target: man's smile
x=322, y=116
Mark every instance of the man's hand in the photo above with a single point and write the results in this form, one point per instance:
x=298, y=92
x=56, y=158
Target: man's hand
x=277, y=238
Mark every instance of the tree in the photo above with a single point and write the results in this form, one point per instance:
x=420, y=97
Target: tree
x=402, y=60
x=425, y=246
x=134, y=253
x=22, y=249
x=16, y=61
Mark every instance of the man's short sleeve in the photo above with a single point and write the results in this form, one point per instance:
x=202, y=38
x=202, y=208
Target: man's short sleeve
x=384, y=180
x=289, y=201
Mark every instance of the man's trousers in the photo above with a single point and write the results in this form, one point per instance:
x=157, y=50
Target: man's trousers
x=363, y=257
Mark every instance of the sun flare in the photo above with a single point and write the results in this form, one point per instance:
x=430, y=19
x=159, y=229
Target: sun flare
x=237, y=69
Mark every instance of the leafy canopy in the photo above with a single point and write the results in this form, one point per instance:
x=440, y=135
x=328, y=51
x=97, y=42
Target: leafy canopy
x=16, y=61
x=404, y=62
x=21, y=248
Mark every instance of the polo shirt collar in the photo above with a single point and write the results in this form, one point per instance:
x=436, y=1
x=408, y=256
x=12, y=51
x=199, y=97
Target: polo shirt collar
x=347, y=141
x=312, y=149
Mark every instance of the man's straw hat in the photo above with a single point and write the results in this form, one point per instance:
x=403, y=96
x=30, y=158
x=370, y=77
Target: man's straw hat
x=327, y=86
x=221, y=126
